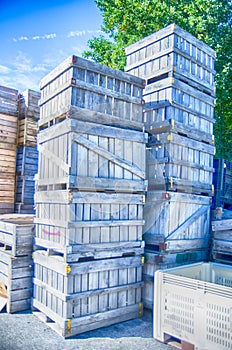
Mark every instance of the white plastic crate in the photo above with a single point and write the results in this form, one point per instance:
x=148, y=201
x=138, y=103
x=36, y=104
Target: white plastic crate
x=194, y=303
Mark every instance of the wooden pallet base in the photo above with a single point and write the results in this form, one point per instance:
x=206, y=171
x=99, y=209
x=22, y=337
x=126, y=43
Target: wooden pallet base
x=180, y=186
x=70, y=328
x=225, y=258
x=179, y=344
x=181, y=129
x=89, y=252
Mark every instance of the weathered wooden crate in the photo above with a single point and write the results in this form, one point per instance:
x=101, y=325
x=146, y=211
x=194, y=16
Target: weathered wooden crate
x=164, y=260
x=222, y=240
x=180, y=95
x=15, y=281
x=7, y=189
x=27, y=161
x=164, y=116
x=90, y=156
x=27, y=135
x=16, y=233
x=8, y=128
x=79, y=297
x=100, y=90
x=184, y=296
x=29, y=104
x=25, y=189
x=80, y=223
x=173, y=51
x=176, y=162
x=8, y=137
x=8, y=101
x=176, y=221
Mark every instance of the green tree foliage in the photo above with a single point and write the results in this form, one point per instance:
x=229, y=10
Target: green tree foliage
x=127, y=21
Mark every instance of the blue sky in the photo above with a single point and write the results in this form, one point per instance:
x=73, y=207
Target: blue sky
x=36, y=36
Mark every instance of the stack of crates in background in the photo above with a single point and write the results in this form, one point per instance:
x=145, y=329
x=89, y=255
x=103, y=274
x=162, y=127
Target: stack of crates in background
x=221, y=248
x=27, y=154
x=16, y=267
x=89, y=197
x=179, y=117
x=222, y=180
x=8, y=139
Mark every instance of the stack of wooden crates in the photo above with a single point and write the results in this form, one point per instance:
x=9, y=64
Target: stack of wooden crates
x=89, y=197
x=8, y=140
x=16, y=267
x=27, y=154
x=179, y=117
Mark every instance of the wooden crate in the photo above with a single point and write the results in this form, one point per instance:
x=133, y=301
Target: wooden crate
x=164, y=260
x=176, y=162
x=25, y=190
x=29, y=104
x=27, y=161
x=163, y=116
x=16, y=233
x=8, y=101
x=28, y=130
x=174, y=51
x=96, y=221
x=8, y=137
x=181, y=95
x=28, y=118
x=84, y=296
x=8, y=129
x=87, y=85
x=222, y=241
x=176, y=221
x=15, y=281
x=7, y=188
x=90, y=156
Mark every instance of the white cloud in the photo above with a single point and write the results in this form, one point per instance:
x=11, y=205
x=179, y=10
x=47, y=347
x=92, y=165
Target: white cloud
x=35, y=37
x=50, y=36
x=82, y=33
x=26, y=74
x=21, y=38
x=4, y=69
x=76, y=33
x=45, y=36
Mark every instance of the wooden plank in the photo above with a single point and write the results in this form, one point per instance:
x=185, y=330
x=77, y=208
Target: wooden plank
x=221, y=225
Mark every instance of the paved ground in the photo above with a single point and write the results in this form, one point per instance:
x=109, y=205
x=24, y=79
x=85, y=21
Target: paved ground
x=25, y=331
